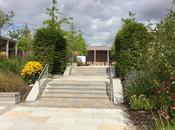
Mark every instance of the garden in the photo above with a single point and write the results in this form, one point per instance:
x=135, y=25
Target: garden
x=50, y=45
x=146, y=64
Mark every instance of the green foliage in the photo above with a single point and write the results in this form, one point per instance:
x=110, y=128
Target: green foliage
x=113, y=52
x=10, y=65
x=14, y=65
x=54, y=13
x=25, y=41
x=138, y=83
x=50, y=48
x=141, y=102
x=161, y=124
x=6, y=19
x=160, y=62
x=131, y=43
x=75, y=42
x=156, y=78
x=50, y=44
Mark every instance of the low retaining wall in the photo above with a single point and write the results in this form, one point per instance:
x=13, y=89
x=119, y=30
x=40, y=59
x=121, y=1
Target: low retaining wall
x=10, y=98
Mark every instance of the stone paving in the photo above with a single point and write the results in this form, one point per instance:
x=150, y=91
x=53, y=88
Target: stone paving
x=44, y=118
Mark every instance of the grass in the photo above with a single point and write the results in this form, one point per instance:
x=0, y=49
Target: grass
x=10, y=82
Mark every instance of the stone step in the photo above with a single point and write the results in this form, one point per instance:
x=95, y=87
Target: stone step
x=73, y=95
x=87, y=74
x=86, y=68
x=90, y=71
x=74, y=103
x=7, y=103
x=81, y=87
x=57, y=90
x=81, y=83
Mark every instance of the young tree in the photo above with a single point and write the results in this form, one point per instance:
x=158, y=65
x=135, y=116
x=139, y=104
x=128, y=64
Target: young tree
x=25, y=41
x=75, y=42
x=50, y=44
x=6, y=19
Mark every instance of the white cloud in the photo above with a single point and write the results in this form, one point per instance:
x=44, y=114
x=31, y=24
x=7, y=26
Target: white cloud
x=99, y=20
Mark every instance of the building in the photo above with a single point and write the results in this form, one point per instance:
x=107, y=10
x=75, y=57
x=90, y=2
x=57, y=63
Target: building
x=8, y=46
x=98, y=55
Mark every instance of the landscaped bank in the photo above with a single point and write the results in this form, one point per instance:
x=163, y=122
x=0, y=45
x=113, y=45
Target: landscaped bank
x=145, y=62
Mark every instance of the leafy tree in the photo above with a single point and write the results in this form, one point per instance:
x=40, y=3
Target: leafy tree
x=131, y=43
x=24, y=39
x=6, y=19
x=14, y=34
x=50, y=44
x=76, y=42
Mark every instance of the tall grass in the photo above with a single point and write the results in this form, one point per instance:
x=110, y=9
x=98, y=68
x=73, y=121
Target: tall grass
x=161, y=125
x=14, y=65
x=10, y=82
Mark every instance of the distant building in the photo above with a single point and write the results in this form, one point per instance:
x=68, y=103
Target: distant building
x=98, y=55
x=8, y=46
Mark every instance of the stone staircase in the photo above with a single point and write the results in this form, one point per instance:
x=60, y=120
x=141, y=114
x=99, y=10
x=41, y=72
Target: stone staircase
x=84, y=88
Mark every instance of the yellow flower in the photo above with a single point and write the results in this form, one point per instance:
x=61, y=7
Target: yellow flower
x=31, y=68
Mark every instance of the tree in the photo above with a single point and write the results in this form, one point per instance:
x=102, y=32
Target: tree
x=50, y=44
x=24, y=39
x=6, y=19
x=75, y=42
x=131, y=43
x=14, y=34
x=54, y=14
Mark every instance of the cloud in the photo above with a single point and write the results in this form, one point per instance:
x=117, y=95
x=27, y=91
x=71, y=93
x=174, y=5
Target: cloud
x=99, y=20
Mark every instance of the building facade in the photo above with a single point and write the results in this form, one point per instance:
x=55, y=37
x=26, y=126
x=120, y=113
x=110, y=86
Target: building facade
x=98, y=55
x=8, y=46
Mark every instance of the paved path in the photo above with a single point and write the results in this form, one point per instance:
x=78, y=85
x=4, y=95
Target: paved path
x=43, y=118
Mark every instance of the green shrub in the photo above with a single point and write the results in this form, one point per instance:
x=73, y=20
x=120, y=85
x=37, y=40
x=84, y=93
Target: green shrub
x=14, y=65
x=50, y=48
x=131, y=43
x=138, y=83
x=10, y=65
x=142, y=103
x=13, y=83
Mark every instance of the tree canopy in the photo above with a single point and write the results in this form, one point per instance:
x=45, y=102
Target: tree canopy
x=6, y=19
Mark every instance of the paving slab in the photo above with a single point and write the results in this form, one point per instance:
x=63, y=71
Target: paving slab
x=44, y=118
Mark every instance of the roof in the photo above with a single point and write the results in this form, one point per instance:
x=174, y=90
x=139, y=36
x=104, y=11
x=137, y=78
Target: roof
x=101, y=48
x=5, y=38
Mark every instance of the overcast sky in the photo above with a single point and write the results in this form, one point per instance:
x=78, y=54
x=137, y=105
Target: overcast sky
x=99, y=20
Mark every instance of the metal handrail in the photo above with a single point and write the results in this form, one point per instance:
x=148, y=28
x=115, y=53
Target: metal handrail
x=45, y=69
x=110, y=85
x=70, y=69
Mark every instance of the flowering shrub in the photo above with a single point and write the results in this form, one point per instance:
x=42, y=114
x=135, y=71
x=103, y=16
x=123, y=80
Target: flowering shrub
x=31, y=71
